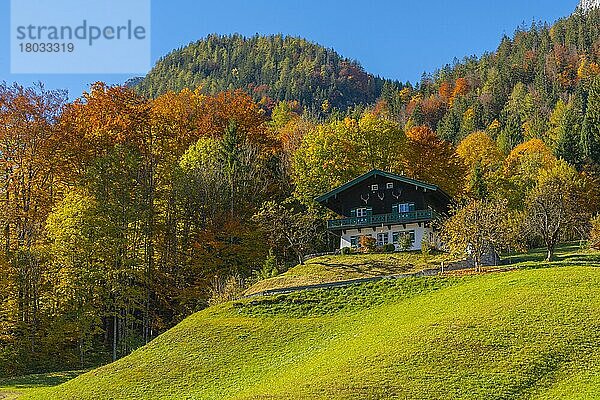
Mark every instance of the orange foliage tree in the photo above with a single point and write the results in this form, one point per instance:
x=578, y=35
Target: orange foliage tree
x=431, y=159
x=29, y=145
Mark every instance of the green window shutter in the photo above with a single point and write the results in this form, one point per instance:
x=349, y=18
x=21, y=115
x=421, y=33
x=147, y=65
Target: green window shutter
x=369, y=210
x=395, y=208
x=353, y=213
x=411, y=207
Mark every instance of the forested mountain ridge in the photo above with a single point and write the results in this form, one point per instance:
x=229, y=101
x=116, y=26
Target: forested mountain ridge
x=535, y=85
x=271, y=68
x=518, y=92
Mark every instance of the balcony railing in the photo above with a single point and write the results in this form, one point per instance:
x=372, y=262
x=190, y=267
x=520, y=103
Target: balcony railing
x=383, y=219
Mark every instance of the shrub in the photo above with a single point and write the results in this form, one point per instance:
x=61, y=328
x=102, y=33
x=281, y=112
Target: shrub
x=346, y=251
x=426, y=246
x=268, y=270
x=405, y=242
x=389, y=248
x=367, y=244
x=222, y=291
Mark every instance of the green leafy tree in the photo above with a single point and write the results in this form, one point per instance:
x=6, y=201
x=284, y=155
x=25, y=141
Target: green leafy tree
x=78, y=271
x=567, y=141
x=477, y=184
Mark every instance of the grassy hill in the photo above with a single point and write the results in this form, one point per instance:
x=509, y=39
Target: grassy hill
x=528, y=333
x=335, y=268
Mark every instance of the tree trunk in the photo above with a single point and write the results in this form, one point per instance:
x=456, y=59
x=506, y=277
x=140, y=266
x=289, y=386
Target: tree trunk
x=149, y=239
x=550, y=254
x=114, y=347
x=81, y=356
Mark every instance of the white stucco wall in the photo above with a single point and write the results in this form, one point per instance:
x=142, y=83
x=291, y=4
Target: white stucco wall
x=420, y=231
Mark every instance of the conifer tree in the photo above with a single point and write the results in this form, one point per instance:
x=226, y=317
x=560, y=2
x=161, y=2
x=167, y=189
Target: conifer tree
x=590, y=131
x=567, y=141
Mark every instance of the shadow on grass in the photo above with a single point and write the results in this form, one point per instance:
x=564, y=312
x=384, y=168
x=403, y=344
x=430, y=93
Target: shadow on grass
x=373, y=268
x=566, y=254
x=374, y=264
x=39, y=380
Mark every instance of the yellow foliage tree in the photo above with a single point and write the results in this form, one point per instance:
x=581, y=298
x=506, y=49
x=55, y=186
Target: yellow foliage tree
x=522, y=167
x=482, y=159
x=480, y=148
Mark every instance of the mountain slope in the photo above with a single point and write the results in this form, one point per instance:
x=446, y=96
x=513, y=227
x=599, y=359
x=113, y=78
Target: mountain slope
x=269, y=67
x=530, y=333
x=517, y=92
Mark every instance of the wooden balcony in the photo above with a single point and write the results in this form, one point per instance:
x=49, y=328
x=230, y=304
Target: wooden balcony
x=383, y=219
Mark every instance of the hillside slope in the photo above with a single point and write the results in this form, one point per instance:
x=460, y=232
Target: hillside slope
x=336, y=268
x=269, y=67
x=523, y=334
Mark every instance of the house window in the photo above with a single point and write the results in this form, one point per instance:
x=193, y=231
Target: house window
x=403, y=207
x=361, y=212
x=374, y=188
x=406, y=207
x=354, y=242
x=390, y=185
x=382, y=239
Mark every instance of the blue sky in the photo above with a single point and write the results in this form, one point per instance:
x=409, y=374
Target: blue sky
x=394, y=39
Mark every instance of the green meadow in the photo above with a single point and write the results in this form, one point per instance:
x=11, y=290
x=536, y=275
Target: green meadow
x=530, y=333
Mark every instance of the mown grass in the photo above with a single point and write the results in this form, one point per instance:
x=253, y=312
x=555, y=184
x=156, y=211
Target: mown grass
x=337, y=268
x=13, y=388
x=530, y=333
x=570, y=254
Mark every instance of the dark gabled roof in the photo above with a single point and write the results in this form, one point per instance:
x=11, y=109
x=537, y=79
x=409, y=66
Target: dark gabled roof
x=377, y=172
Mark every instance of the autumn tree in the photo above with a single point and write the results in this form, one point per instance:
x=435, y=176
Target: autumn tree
x=428, y=158
x=482, y=159
x=336, y=152
x=522, y=167
x=553, y=206
x=480, y=228
x=28, y=185
x=479, y=147
x=291, y=227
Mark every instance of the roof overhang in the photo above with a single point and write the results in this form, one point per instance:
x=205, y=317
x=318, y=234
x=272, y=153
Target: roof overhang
x=323, y=198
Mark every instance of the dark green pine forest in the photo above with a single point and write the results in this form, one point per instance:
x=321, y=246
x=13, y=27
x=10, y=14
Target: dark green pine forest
x=271, y=68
